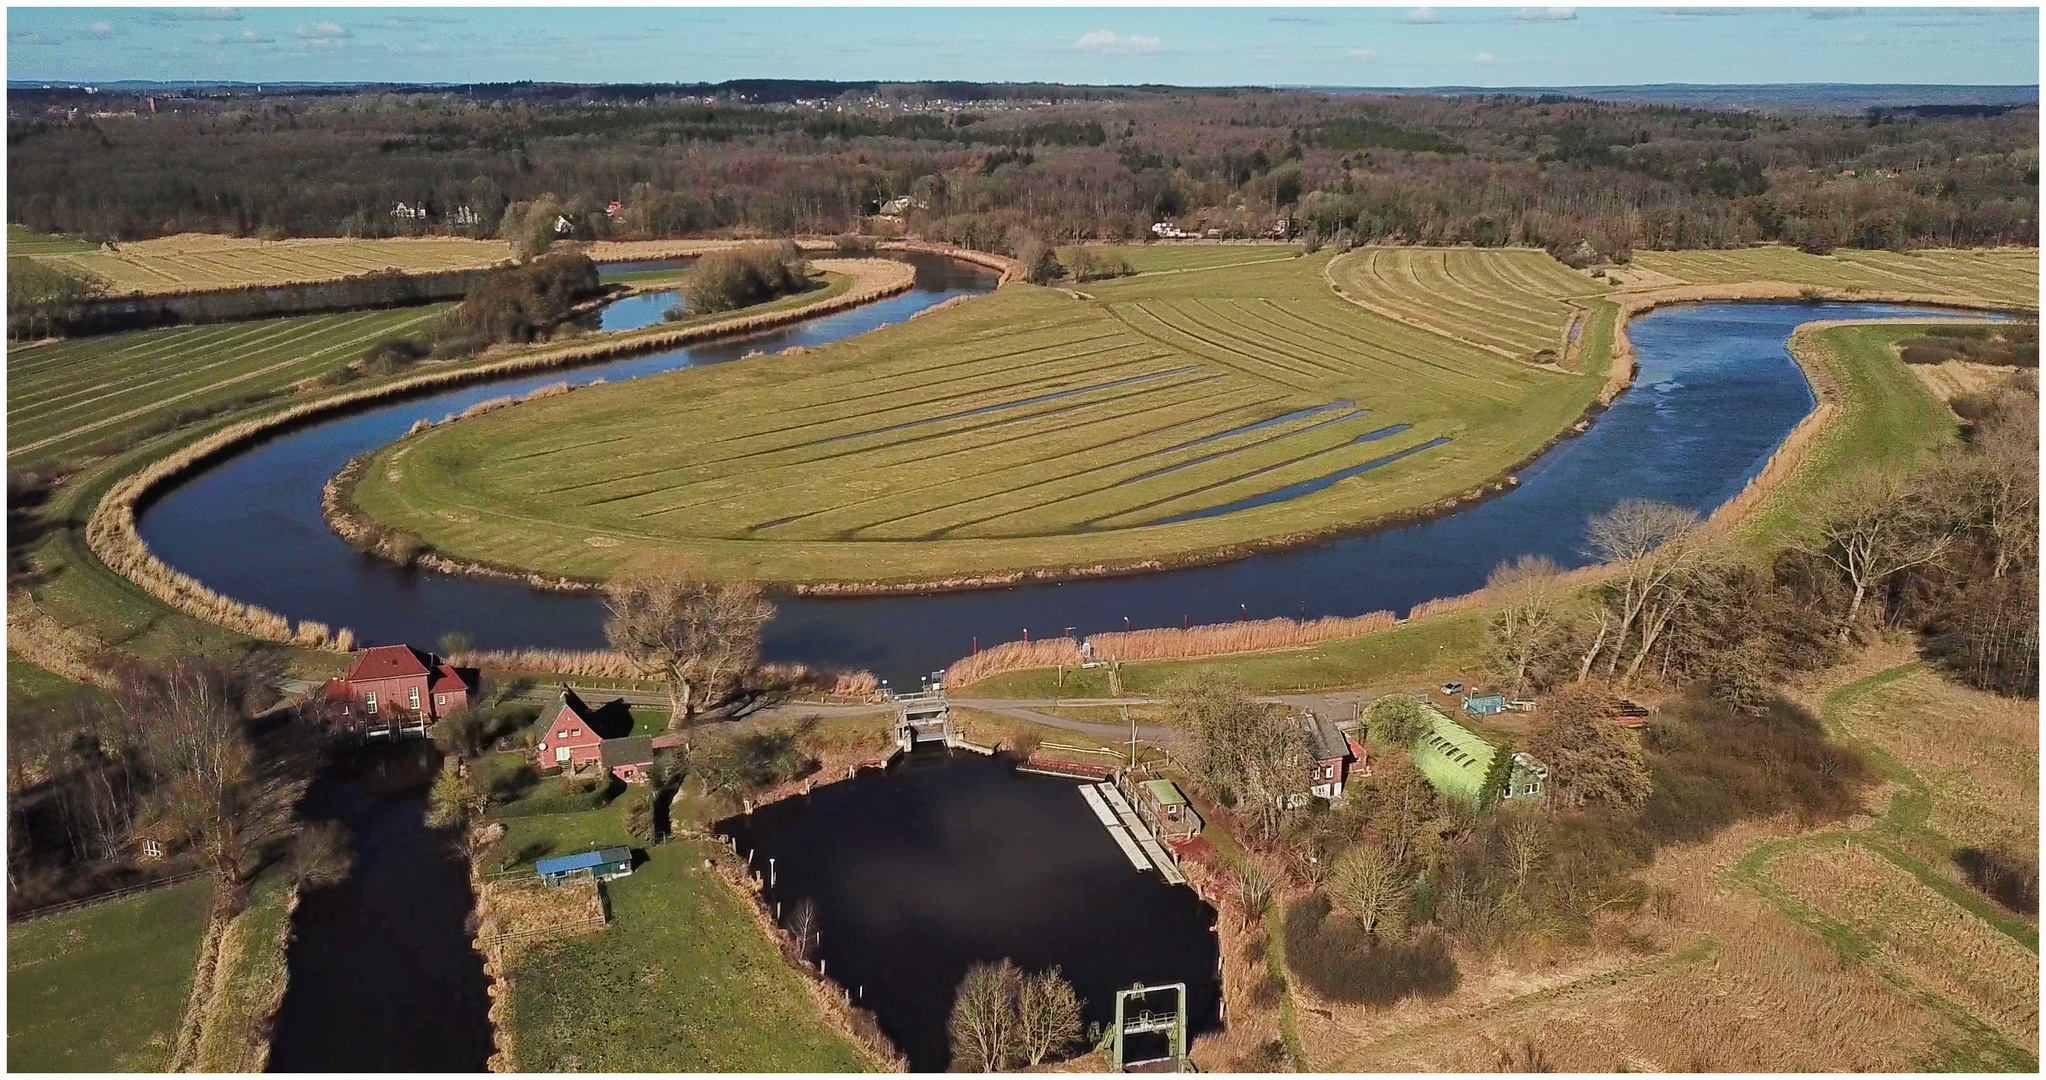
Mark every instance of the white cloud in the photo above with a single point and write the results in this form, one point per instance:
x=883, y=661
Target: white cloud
x=101, y=29
x=1109, y=43
x=325, y=31
x=1361, y=54
x=1836, y=13
x=1545, y=14
x=1698, y=12
x=1422, y=16
x=1484, y=58
x=322, y=44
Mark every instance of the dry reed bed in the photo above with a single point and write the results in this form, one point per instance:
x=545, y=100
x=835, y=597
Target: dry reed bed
x=52, y=646
x=112, y=536
x=226, y=1023
x=606, y=664
x=1931, y=937
x=1250, y=1023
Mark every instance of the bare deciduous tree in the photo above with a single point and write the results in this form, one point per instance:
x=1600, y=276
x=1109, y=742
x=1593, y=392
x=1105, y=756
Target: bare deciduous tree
x=1529, y=624
x=1048, y=1014
x=1590, y=758
x=320, y=855
x=985, y=1028
x=190, y=717
x=688, y=630
x=1873, y=528
x=1651, y=544
x=1371, y=888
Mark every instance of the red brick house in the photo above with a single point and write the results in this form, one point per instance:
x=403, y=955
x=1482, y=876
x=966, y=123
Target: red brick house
x=581, y=737
x=571, y=740
x=398, y=684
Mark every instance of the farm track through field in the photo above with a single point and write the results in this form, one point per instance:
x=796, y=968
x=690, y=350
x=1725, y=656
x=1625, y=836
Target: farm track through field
x=1898, y=835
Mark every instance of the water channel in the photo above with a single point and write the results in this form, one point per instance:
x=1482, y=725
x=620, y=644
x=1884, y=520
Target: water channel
x=949, y=859
x=1715, y=393
x=383, y=977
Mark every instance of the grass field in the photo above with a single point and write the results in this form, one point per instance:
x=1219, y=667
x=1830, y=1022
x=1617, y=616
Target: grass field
x=73, y=395
x=101, y=989
x=2006, y=275
x=1976, y=753
x=1419, y=653
x=1165, y=258
x=21, y=242
x=193, y=261
x=680, y=981
x=1520, y=303
x=1889, y=419
x=1172, y=414
x=1937, y=942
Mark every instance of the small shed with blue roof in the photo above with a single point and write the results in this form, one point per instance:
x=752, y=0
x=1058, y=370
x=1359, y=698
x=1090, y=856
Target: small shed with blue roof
x=603, y=865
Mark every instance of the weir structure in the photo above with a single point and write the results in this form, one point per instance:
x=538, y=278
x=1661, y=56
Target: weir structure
x=1147, y=1017
x=922, y=717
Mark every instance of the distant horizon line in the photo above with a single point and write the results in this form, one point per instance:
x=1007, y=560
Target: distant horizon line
x=86, y=83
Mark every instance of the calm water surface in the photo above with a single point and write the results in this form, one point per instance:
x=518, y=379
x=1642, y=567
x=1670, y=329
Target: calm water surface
x=383, y=974
x=1715, y=394
x=949, y=859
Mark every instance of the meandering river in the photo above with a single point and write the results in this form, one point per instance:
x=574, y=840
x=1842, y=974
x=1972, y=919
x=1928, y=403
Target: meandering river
x=1715, y=393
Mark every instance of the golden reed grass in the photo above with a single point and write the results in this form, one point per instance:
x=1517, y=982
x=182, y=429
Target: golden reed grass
x=112, y=537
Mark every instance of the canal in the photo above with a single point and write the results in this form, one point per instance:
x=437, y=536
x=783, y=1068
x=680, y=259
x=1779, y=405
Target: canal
x=950, y=858
x=383, y=974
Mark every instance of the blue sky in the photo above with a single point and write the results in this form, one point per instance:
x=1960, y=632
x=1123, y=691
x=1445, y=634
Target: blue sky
x=1545, y=46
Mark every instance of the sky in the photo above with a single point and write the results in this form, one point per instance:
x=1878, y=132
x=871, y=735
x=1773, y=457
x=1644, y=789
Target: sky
x=1406, y=46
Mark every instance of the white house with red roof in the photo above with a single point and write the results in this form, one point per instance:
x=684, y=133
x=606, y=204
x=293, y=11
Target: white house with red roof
x=394, y=685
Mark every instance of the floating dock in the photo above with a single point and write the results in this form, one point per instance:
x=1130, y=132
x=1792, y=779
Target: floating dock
x=1129, y=833
x=1115, y=831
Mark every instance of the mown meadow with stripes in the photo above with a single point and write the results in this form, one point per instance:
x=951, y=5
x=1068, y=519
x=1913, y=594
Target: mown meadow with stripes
x=1209, y=403
x=84, y=395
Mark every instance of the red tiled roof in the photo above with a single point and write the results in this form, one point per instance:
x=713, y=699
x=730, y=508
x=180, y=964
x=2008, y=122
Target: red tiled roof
x=388, y=662
x=447, y=680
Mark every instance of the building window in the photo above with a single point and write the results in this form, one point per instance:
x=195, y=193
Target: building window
x=440, y=699
x=415, y=699
x=369, y=703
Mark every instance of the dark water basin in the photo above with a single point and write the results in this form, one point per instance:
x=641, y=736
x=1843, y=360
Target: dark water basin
x=948, y=859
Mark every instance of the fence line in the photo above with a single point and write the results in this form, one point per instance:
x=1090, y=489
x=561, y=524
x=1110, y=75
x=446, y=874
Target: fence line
x=595, y=922
x=103, y=898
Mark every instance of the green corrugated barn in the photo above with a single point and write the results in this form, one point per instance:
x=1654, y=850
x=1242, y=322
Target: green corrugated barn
x=1455, y=762
x=1452, y=758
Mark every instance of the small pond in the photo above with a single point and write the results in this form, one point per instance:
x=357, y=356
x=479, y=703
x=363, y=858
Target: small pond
x=950, y=858
x=633, y=312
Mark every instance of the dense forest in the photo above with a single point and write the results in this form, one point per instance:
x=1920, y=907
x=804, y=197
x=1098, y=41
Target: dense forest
x=979, y=166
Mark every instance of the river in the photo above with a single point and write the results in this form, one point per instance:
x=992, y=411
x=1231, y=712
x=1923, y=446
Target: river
x=1715, y=392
